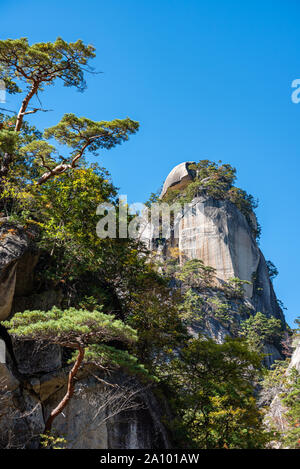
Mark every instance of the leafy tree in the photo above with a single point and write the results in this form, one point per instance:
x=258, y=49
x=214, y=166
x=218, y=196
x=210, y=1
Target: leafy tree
x=41, y=64
x=213, y=395
x=194, y=273
x=192, y=307
x=15, y=190
x=81, y=330
x=259, y=329
x=200, y=307
x=65, y=210
x=234, y=287
x=274, y=381
x=154, y=313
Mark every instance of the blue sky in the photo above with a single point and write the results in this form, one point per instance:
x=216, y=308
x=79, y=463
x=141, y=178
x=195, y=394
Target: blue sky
x=206, y=79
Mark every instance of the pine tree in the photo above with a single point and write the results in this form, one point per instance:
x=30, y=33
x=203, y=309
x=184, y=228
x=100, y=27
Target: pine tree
x=83, y=331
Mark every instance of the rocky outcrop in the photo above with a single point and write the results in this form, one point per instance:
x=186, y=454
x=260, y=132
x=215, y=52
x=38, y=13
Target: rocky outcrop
x=37, y=357
x=18, y=257
x=94, y=418
x=101, y=414
x=216, y=232
x=178, y=177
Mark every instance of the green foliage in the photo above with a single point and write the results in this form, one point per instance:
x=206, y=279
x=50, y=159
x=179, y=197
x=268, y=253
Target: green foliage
x=275, y=377
x=195, y=274
x=80, y=134
x=284, y=382
x=76, y=131
x=70, y=327
x=234, y=287
x=197, y=308
x=43, y=62
x=8, y=141
x=14, y=191
x=81, y=328
x=154, y=313
x=65, y=208
x=111, y=358
x=259, y=329
x=213, y=389
x=192, y=307
x=222, y=311
x=291, y=401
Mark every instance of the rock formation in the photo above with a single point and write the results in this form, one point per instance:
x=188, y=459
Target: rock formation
x=92, y=420
x=178, y=178
x=18, y=257
x=216, y=232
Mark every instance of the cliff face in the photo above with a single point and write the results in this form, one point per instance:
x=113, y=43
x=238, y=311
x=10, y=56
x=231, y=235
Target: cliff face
x=216, y=232
x=18, y=257
x=102, y=414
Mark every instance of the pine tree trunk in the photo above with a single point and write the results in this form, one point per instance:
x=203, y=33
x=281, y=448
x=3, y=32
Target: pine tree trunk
x=7, y=158
x=70, y=391
x=24, y=105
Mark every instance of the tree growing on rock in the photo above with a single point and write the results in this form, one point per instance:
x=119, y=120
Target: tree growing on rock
x=83, y=331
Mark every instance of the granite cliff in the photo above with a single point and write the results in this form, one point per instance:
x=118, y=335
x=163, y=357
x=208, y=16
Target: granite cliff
x=216, y=232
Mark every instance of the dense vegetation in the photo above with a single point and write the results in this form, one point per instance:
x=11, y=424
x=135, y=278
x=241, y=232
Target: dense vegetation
x=283, y=382
x=118, y=308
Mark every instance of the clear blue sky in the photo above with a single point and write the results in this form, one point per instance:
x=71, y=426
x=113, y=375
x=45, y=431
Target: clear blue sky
x=206, y=79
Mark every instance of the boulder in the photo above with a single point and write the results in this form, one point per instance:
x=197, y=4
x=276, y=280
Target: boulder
x=34, y=357
x=178, y=177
